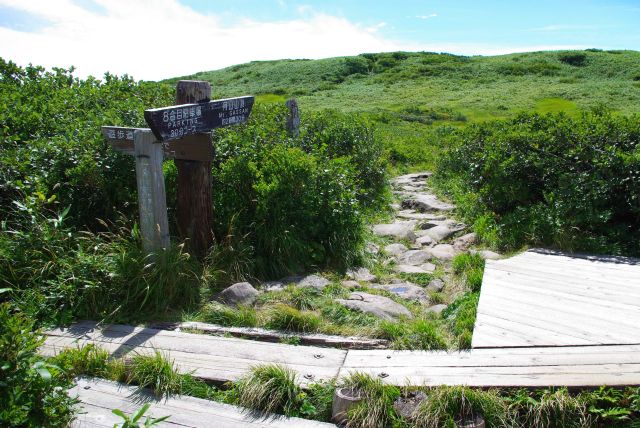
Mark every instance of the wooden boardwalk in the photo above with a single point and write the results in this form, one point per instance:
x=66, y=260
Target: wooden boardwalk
x=543, y=298
x=226, y=359
x=99, y=397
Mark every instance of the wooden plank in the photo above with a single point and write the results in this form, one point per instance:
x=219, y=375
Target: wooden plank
x=342, y=342
x=175, y=122
x=152, y=200
x=213, y=358
x=543, y=298
x=99, y=397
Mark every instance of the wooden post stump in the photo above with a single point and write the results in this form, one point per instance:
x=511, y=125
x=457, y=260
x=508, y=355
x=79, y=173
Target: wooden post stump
x=194, y=208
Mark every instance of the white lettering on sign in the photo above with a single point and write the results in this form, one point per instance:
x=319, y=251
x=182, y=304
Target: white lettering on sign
x=233, y=111
x=182, y=120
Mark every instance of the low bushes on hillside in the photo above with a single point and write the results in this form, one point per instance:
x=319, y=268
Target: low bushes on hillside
x=550, y=180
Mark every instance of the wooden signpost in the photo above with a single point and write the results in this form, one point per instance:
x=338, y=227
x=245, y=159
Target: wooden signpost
x=179, y=132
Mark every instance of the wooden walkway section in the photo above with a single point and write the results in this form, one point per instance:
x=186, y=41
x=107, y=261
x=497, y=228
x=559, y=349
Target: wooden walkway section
x=222, y=359
x=544, y=298
x=99, y=397
x=217, y=359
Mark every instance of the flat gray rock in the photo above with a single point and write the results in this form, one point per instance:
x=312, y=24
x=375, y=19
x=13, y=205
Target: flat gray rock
x=463, y=242
x=425, y=203
x=351, y=284
x=435, y=285
x=406, y=291
x=395, y=249
x=437, y=309
x=443, y=231
x=443, y=251
x=314, y=281
x=361, y=274
x=241, y=293
x=414, y=257
x=399, y=230
x=409, y=179
x=486, y=254
x=378, y=306
x=409, y=269
x=412, y=215
x=425, y=240
x=429, y=267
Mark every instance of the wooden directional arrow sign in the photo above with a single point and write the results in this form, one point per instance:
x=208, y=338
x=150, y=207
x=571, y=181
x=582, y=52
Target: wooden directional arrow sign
x=172, y=123
x=187, y=148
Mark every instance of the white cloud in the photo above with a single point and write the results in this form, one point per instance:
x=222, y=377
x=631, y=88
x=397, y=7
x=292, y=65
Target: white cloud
x=156, y=39
x=431, y=15
x=565, y=27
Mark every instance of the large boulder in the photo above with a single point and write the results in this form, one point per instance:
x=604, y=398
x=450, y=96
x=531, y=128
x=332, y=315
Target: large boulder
x=425, y=203
x=465, y=241
x=314, y=281
x=413, y=257
x=361, y=274
x=398, y=230
x=378, y=306
x=443, y=251
x=436, y=285
x=395, y=249
x=406, y=291
x=241, y=293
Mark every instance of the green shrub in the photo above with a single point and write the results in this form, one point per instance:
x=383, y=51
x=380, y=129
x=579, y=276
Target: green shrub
x=32, y=392
x=446, y=405
x=296, y=202
x=574, y=58
x=550, y=181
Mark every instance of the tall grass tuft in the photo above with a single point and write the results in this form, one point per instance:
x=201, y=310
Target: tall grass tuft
x=270, y=388
x=156, y=372
x=550, y=409
x=284, y=317
x=446, y=406
x=376, y=408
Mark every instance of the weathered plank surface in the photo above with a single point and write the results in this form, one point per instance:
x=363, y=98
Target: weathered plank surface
x=99, y=397
x=543, y=298
x=526, y=367
x=342, y=342
x=217, y=359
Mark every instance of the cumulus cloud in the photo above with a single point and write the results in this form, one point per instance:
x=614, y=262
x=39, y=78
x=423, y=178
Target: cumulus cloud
x=155, y=39
x=431, y=15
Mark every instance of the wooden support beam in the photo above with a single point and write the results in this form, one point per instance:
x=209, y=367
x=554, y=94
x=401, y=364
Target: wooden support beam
x=152, y=200
x=194, y=209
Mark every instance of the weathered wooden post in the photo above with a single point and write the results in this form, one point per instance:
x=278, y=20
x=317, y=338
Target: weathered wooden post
x=194, y=209
x=293, y=118
x=152, y=200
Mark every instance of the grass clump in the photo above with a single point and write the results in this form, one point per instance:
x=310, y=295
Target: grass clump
x=447, y=406
x=549, y=409
x=87, y=360
x=461, y=316
x=417, y=334
x=270, y=389
x=376, y=408
x=156, y=372
x=287, y=318
x=241, y=316
x=470, y=267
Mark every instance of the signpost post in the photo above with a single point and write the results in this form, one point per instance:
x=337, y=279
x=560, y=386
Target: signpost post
x=179, y=132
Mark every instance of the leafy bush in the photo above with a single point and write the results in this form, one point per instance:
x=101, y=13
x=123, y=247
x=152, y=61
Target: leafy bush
x=574, y=58
x=32, y=392
x=297, y=202
x=550, y=180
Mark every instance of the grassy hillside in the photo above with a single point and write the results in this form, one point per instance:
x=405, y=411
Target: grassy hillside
x=413, y=95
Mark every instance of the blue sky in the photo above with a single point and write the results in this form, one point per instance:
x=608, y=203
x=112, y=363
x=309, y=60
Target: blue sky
x=195, y=35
